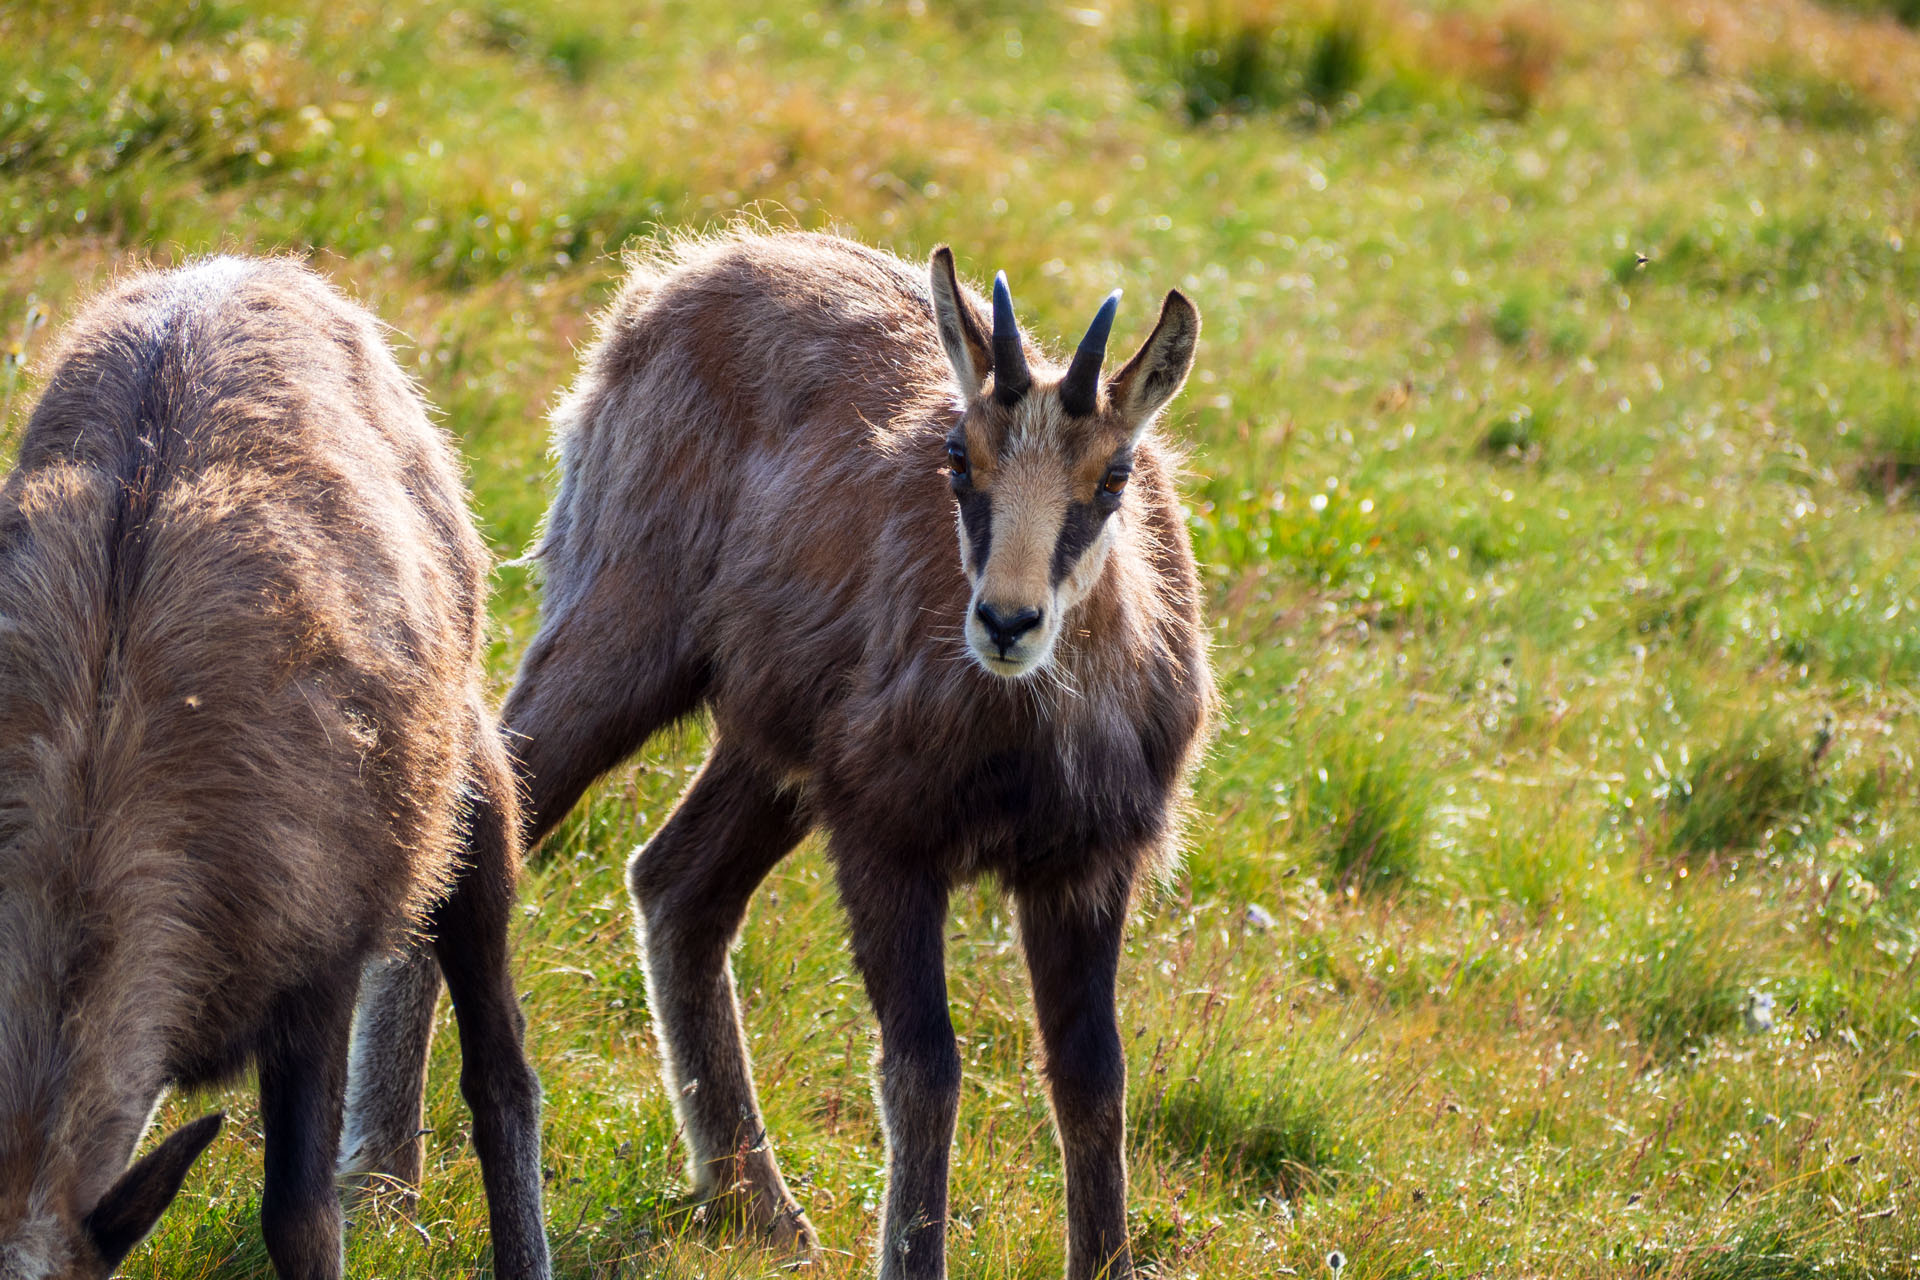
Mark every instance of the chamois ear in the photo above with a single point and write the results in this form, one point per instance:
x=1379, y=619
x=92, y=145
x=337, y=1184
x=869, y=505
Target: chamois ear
x=132, y=1205
x=961, y=333
x=1141, y=389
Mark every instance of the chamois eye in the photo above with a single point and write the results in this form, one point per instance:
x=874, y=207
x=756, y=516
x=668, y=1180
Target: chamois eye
x=957, y=460
x=1115, y=482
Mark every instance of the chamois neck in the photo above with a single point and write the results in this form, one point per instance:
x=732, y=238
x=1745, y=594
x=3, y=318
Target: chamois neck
x=78, y=1080
x=1105, y=632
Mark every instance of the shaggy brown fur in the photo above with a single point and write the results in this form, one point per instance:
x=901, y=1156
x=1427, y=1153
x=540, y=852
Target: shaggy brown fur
x=752, y=518
x=242, y=750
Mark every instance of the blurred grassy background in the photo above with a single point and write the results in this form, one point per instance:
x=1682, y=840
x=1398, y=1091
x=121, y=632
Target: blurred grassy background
x=1556, y=469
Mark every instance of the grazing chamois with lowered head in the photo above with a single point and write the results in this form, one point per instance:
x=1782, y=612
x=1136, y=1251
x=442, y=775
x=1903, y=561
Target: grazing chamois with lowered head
x=752, y=518
x=243, y=751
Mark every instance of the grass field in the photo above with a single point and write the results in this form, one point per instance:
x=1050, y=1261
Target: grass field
x=1556, y=471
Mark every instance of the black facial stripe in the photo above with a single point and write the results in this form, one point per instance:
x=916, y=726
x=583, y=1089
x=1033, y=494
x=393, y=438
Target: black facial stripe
x=1083, y=524
x=976, y=517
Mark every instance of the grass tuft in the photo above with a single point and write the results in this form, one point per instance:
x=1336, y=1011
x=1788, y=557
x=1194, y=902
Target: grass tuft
x=1238, y=57
x=1265, y=1105
x=1669, y=979
x=1518, y=434
x=1323, y=62
x=1800, y=94
x=1889, y=466
x=1741, y=791
x=1262, y=1125
x=1510, y=59
x=1905, y=12
x=1779, y=1242
x=1366, y=802
x=572, y=53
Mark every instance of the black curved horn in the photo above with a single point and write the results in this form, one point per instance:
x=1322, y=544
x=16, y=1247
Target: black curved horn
x=1010, y=375
x=1080, y=389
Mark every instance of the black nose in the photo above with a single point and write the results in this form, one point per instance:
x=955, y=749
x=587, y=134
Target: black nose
x=1005, y=629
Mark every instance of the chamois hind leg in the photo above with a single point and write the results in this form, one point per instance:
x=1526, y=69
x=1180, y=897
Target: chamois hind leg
x=387, y=1071
x=469, y=931
x=303, y=1065
x=1072, y=946
x=896, y=919
x=596, y=683
x=585, y=698
x=690, y=887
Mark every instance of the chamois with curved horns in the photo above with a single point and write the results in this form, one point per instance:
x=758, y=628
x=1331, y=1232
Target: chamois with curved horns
x=752, y=518
x=243, y=750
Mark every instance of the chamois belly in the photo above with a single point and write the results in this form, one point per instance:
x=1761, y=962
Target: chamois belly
x=224, y=1034
x=1034, y=814
x=1045, y=821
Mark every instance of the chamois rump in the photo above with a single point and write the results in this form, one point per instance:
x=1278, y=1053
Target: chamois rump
x=752, y=518
x=243, y=750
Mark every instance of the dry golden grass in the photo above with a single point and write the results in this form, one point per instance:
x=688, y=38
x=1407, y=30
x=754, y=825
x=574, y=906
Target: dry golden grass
x=1873, y=56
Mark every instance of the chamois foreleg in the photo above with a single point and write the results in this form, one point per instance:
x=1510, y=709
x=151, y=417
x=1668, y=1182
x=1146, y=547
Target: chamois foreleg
x=387, y=1070
x=303, y=1066
x=690, y=885
x=470, y=939
x=1072, y=947
x=896, y=919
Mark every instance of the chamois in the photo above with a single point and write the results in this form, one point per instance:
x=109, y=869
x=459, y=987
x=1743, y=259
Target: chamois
x=243, y=751
x=751, y=518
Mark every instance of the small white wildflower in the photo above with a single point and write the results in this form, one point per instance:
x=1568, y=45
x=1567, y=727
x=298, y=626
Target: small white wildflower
x=1758, y=1011
x=1336, y=1262
x=1259, y=918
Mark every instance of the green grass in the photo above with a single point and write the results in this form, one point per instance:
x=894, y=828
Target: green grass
x=1553, y=461
x=1905, y=11
x=1741, y=793
x=1365, y=808
x=1229, y=58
